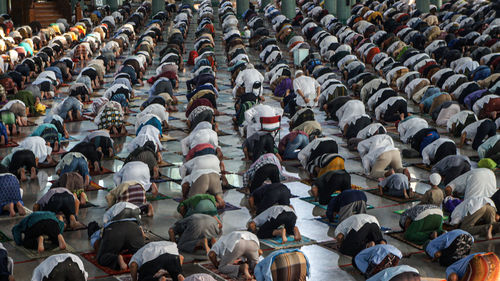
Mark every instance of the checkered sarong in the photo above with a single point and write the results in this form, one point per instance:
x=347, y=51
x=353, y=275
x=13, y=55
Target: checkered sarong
x=289, y=267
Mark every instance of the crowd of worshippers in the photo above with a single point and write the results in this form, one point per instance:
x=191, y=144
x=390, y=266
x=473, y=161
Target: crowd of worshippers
x=446, y=61
x=202, y=172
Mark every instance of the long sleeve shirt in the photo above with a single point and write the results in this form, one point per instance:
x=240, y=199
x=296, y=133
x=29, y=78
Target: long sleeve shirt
x=443, y=241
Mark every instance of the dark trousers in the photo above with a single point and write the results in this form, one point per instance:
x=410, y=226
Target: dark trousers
x=353, y=129
x=43, y=227
x=287, y=219
x=268, y=171
x=66, y=271
x=61, y=203
x=393, y=112
x=453, y=172
x=168, y=262
x=324, y=147
x=494, y=152
x=445, y=149
x=487, y=129
x=355, y=241
x=118, y=237
x=22, y=158
x=264, y=145
x=458, y=249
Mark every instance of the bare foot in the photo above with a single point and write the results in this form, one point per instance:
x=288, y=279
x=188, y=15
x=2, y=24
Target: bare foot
x=489, y=234
x=283, y=236
x=33, y=173
x=434, y=235
x=22, y=173
x=151, y=211
x=20, y=209
x=370, y=244
x=62, y=243
x=296, y=234
x=41, y=248
x=121, y=262
x=76, y=225
x=12, y=212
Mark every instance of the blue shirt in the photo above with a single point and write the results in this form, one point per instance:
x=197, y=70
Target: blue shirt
x=262, y=270
x=389, y=273
x=460, y=267
x=444, y=241
x=375, y=255
x=429, y=100
x=346, y=197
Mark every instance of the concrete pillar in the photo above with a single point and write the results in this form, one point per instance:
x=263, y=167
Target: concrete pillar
x=241, y=7
x=3, y=7
x=438, y=3
x=343, y=10
x=158, y=5
x=331, y=6
x=423, y=5
x=288, y=8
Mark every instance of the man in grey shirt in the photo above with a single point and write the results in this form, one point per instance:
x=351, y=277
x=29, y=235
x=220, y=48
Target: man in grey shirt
x=198, y=231
x=395, y=184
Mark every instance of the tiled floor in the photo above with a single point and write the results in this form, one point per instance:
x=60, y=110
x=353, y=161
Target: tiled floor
x=325, y=264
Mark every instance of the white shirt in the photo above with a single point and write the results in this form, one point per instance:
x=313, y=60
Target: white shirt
x=348, y=111
x=370, y=130
x=304, y=154
x=446, y=113
x=134, y=171
x=410, y=127
x=157, y=109
x=246, y=78
x=381, y=108
x=45, y=268
x=253, y=115
x=9, y=104
x=475, y=183
x=38, y=146
x=429, y=151
x=226, y=243
x=271, y=213
x=458, y=118
x=198, y=166
x=373, y=99
x=307, y=85
x=147, y=133
x=116, y=209
x=478, y=105
x=98, y=133
x=369, y=87
x=370, y=149
x=355, y=223
x=471, y=129
x=468, y=207
x=152, y=250
x=199, y=137
x=142, y=118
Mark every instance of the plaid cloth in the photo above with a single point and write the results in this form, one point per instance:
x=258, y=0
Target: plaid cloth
x=265, y=159
x=80, y=50
x=135, y=195
x=110, y=117
x=289, y=267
